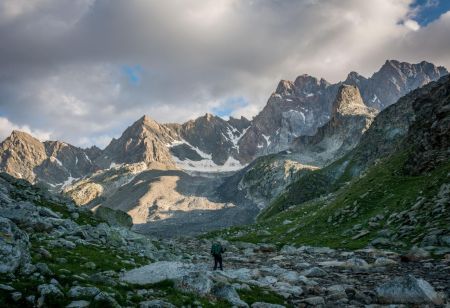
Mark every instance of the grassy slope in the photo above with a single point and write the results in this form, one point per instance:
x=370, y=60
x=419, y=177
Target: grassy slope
x=383, y=190
x=310, y=185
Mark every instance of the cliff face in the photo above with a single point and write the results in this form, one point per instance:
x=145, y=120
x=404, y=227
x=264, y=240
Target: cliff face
x=429, y=134
x=350, y=118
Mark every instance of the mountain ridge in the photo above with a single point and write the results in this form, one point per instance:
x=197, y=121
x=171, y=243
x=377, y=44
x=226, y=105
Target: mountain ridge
x=210, y=143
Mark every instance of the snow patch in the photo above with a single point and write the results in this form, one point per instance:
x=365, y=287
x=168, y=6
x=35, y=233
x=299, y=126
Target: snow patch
x=234, y=136
x=68, y=182
x=267, y=139
x=87, y=158
x=55, y=160
x=182, y=141
x=76, y=160
x=375, y=98
x=207, y=165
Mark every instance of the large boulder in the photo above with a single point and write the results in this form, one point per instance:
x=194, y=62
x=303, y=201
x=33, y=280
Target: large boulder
x=14, y=245
x=198, y=283
x=157, y=272
x=314, y=272
x=229, y=294
x=83, y=292
x=50, y=295
x=407, y=290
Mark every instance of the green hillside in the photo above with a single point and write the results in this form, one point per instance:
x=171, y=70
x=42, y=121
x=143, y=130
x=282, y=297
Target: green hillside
x=385, y=205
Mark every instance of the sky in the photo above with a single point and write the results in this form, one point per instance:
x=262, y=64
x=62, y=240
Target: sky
x=82, y=71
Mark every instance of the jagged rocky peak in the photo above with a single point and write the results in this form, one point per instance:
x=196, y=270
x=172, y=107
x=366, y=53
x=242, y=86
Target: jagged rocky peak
x=354, y=78
x=306, y=84
x=208, y=116
x=240, y=124
x=285, y=88
x=50, y=162
x=410, y=75
x=20, y=153
x=23, y=137
x=144, y=141
x=348, y=101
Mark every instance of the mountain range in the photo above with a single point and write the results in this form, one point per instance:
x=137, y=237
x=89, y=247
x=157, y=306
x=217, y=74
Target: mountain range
x=171, y=174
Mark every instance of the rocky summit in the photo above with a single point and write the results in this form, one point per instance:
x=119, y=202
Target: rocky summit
x=334, y=195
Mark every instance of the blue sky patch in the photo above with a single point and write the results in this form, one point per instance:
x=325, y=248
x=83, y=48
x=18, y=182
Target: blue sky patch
x=230, y=105
x=133, y=74
x=429, y=10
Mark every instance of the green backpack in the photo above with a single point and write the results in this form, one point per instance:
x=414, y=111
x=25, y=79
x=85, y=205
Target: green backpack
x=216, y=249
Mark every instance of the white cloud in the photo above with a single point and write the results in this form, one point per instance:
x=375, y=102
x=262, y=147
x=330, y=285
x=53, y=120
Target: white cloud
x=411, y=24
x=6, y=127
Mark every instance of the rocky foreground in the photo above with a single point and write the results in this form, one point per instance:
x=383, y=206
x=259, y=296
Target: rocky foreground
x=52, y=254
x=305, y=276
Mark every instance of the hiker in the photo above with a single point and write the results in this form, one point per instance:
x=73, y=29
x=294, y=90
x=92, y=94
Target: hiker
x=216, y=251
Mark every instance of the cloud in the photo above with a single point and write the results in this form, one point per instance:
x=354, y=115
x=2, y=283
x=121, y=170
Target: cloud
x=6, y=127
x=86, y=69
x=411, y=24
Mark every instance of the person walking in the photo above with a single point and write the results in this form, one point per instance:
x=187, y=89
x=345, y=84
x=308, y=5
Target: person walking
x=216, y=251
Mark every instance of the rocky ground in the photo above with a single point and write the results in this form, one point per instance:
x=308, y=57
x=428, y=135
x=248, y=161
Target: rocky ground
x=53, y=254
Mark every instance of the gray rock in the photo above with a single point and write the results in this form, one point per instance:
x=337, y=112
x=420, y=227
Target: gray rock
x=44, y=252
x=383, y=261
x=407, y=290
x=78, y=304
x=198, y=283
x=381, y=241
x=156, y=303
x=89, y=265
x=229, y=294
x=106, y=278
x=157, y=272
x=31, y=299
x=289, y=250
x=106, y=300
x=416, y=254
x=266, y=305
x=284, y=288
x=315, y=300
x=16, y=296
x=62, y=243
x=6, y=287
x=83, y=292
x=314, y=272
x=445, y=240
x=356, y=263
x=43, y=269
x=27, y=269
x=48, y=293
x=14, y=245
